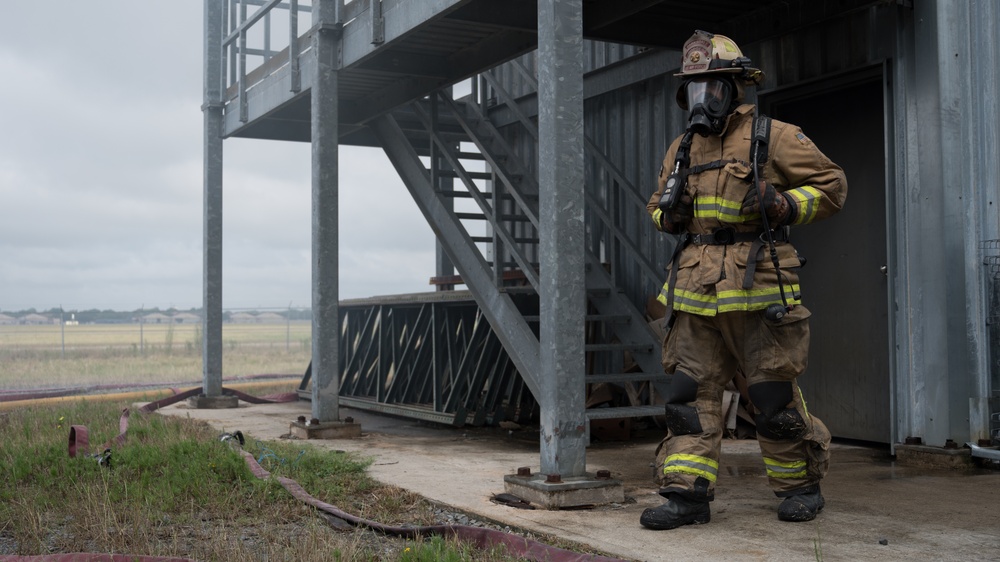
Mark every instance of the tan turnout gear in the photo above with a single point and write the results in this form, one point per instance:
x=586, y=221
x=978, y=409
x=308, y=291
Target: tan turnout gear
x=709, y=350
x=721, y=281
x=711, y=277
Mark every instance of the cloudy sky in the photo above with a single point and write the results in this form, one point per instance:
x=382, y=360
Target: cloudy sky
x=101, y=175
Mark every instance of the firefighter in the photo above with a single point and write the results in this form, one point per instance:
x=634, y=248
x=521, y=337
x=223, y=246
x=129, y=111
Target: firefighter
x=730, y=188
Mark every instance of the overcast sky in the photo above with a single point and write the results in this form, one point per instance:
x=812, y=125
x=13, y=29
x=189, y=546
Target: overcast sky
x=101, y=175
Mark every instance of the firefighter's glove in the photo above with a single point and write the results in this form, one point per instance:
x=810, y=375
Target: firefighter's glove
x=677, y=218
x=778, y=206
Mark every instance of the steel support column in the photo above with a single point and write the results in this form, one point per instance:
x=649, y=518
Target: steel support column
x=212, y=113
x=325, y=258
x=561, y=237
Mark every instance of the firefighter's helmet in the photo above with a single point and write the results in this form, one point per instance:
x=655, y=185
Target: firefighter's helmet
x=706, y=54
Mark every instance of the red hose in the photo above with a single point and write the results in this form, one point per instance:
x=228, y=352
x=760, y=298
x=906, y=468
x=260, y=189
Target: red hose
x=479, y=536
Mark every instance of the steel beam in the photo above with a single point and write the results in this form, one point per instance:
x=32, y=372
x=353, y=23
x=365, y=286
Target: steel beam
x=212, y=113
x=325, y=224
x=562, y=237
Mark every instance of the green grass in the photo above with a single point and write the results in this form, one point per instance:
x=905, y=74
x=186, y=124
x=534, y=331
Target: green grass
x=175, y=489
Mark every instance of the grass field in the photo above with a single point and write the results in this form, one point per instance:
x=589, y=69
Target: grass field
x=174, y=489
x=57, y=356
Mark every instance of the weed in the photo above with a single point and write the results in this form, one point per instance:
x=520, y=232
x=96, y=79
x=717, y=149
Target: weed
x=437, y=549
x=175, y=489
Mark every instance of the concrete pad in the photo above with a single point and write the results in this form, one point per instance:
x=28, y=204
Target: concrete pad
x=567, y=492
x=325, y=430
x=934, y=457
x=213, y=402
x=921, y=514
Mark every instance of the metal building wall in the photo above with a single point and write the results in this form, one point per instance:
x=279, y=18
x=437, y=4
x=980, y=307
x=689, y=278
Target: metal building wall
x=943, y=162
x=631, y=127
x=945, y=87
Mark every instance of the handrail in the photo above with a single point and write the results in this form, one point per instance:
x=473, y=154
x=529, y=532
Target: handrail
x=621, y=184
x=247, y=23
x=238, y=24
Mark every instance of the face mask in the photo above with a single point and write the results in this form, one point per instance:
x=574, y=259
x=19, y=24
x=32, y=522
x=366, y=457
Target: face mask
x=708, y=101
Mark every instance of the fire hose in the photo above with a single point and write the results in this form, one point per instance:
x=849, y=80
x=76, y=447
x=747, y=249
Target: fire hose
x=480, y=537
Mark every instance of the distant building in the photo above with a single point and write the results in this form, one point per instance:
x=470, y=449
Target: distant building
x=186, y=318
x=270, y=318
x=156, y=318
x=7, y=320
x=242, y=318
x=35, y=319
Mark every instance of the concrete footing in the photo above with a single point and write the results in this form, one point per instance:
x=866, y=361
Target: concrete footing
x=325, y=430
x=933, y=457
x=203, y=402
x=568, y=492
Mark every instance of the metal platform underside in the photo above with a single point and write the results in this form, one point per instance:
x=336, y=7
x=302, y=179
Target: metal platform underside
x=432, y=44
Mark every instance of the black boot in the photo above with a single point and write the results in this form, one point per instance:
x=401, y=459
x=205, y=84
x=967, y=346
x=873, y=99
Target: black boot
x=802, y=507
x=676, y=512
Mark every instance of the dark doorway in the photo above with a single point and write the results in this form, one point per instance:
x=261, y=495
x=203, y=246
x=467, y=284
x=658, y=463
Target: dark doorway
x=844, y=283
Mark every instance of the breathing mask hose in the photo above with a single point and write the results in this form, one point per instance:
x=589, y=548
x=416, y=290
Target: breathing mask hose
x=774, y=312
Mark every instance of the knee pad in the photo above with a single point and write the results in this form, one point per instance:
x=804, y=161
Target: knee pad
x=683, y=389
x=770, y=397
x=775, y=419
x=784, y=425
x=682, y=419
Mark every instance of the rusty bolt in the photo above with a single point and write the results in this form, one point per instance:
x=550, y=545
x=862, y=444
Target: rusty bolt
x=950, y=444
x=914, y=441
x=524, y=471
x=348, y=419
x=314, y=421
x=553, y=478
x=604, y=475
x=301, y=419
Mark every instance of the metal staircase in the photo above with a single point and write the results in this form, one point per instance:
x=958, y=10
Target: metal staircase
x=490, y=221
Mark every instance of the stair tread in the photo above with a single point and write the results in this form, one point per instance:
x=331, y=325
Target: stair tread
x=625, y=377
x=624, y=412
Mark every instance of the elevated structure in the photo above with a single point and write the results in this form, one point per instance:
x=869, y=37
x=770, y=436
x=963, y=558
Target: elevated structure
x=535, y=179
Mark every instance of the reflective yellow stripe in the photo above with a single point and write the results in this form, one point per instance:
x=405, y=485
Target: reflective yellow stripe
x=691, y=464
x=739, y=300
x=803, y=398
x=778, y=469
x=755, y=299
x=724, y=210
x=808, y=199
x=658, y=219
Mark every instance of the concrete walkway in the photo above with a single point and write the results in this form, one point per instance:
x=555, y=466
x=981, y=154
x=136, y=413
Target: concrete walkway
x=875, y=510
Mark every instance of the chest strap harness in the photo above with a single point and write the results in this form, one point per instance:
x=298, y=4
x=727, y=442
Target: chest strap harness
x=726, y=236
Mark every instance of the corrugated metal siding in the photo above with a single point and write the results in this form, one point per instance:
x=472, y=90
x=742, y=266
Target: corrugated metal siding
x=632, y=127
x=849, y=42
x=985, y=140
x=943, y=148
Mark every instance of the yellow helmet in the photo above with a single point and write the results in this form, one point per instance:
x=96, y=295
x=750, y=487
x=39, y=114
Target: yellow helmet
x=706, y=53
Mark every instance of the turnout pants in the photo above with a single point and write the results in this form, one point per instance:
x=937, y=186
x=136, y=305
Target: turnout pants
x=709, y=350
